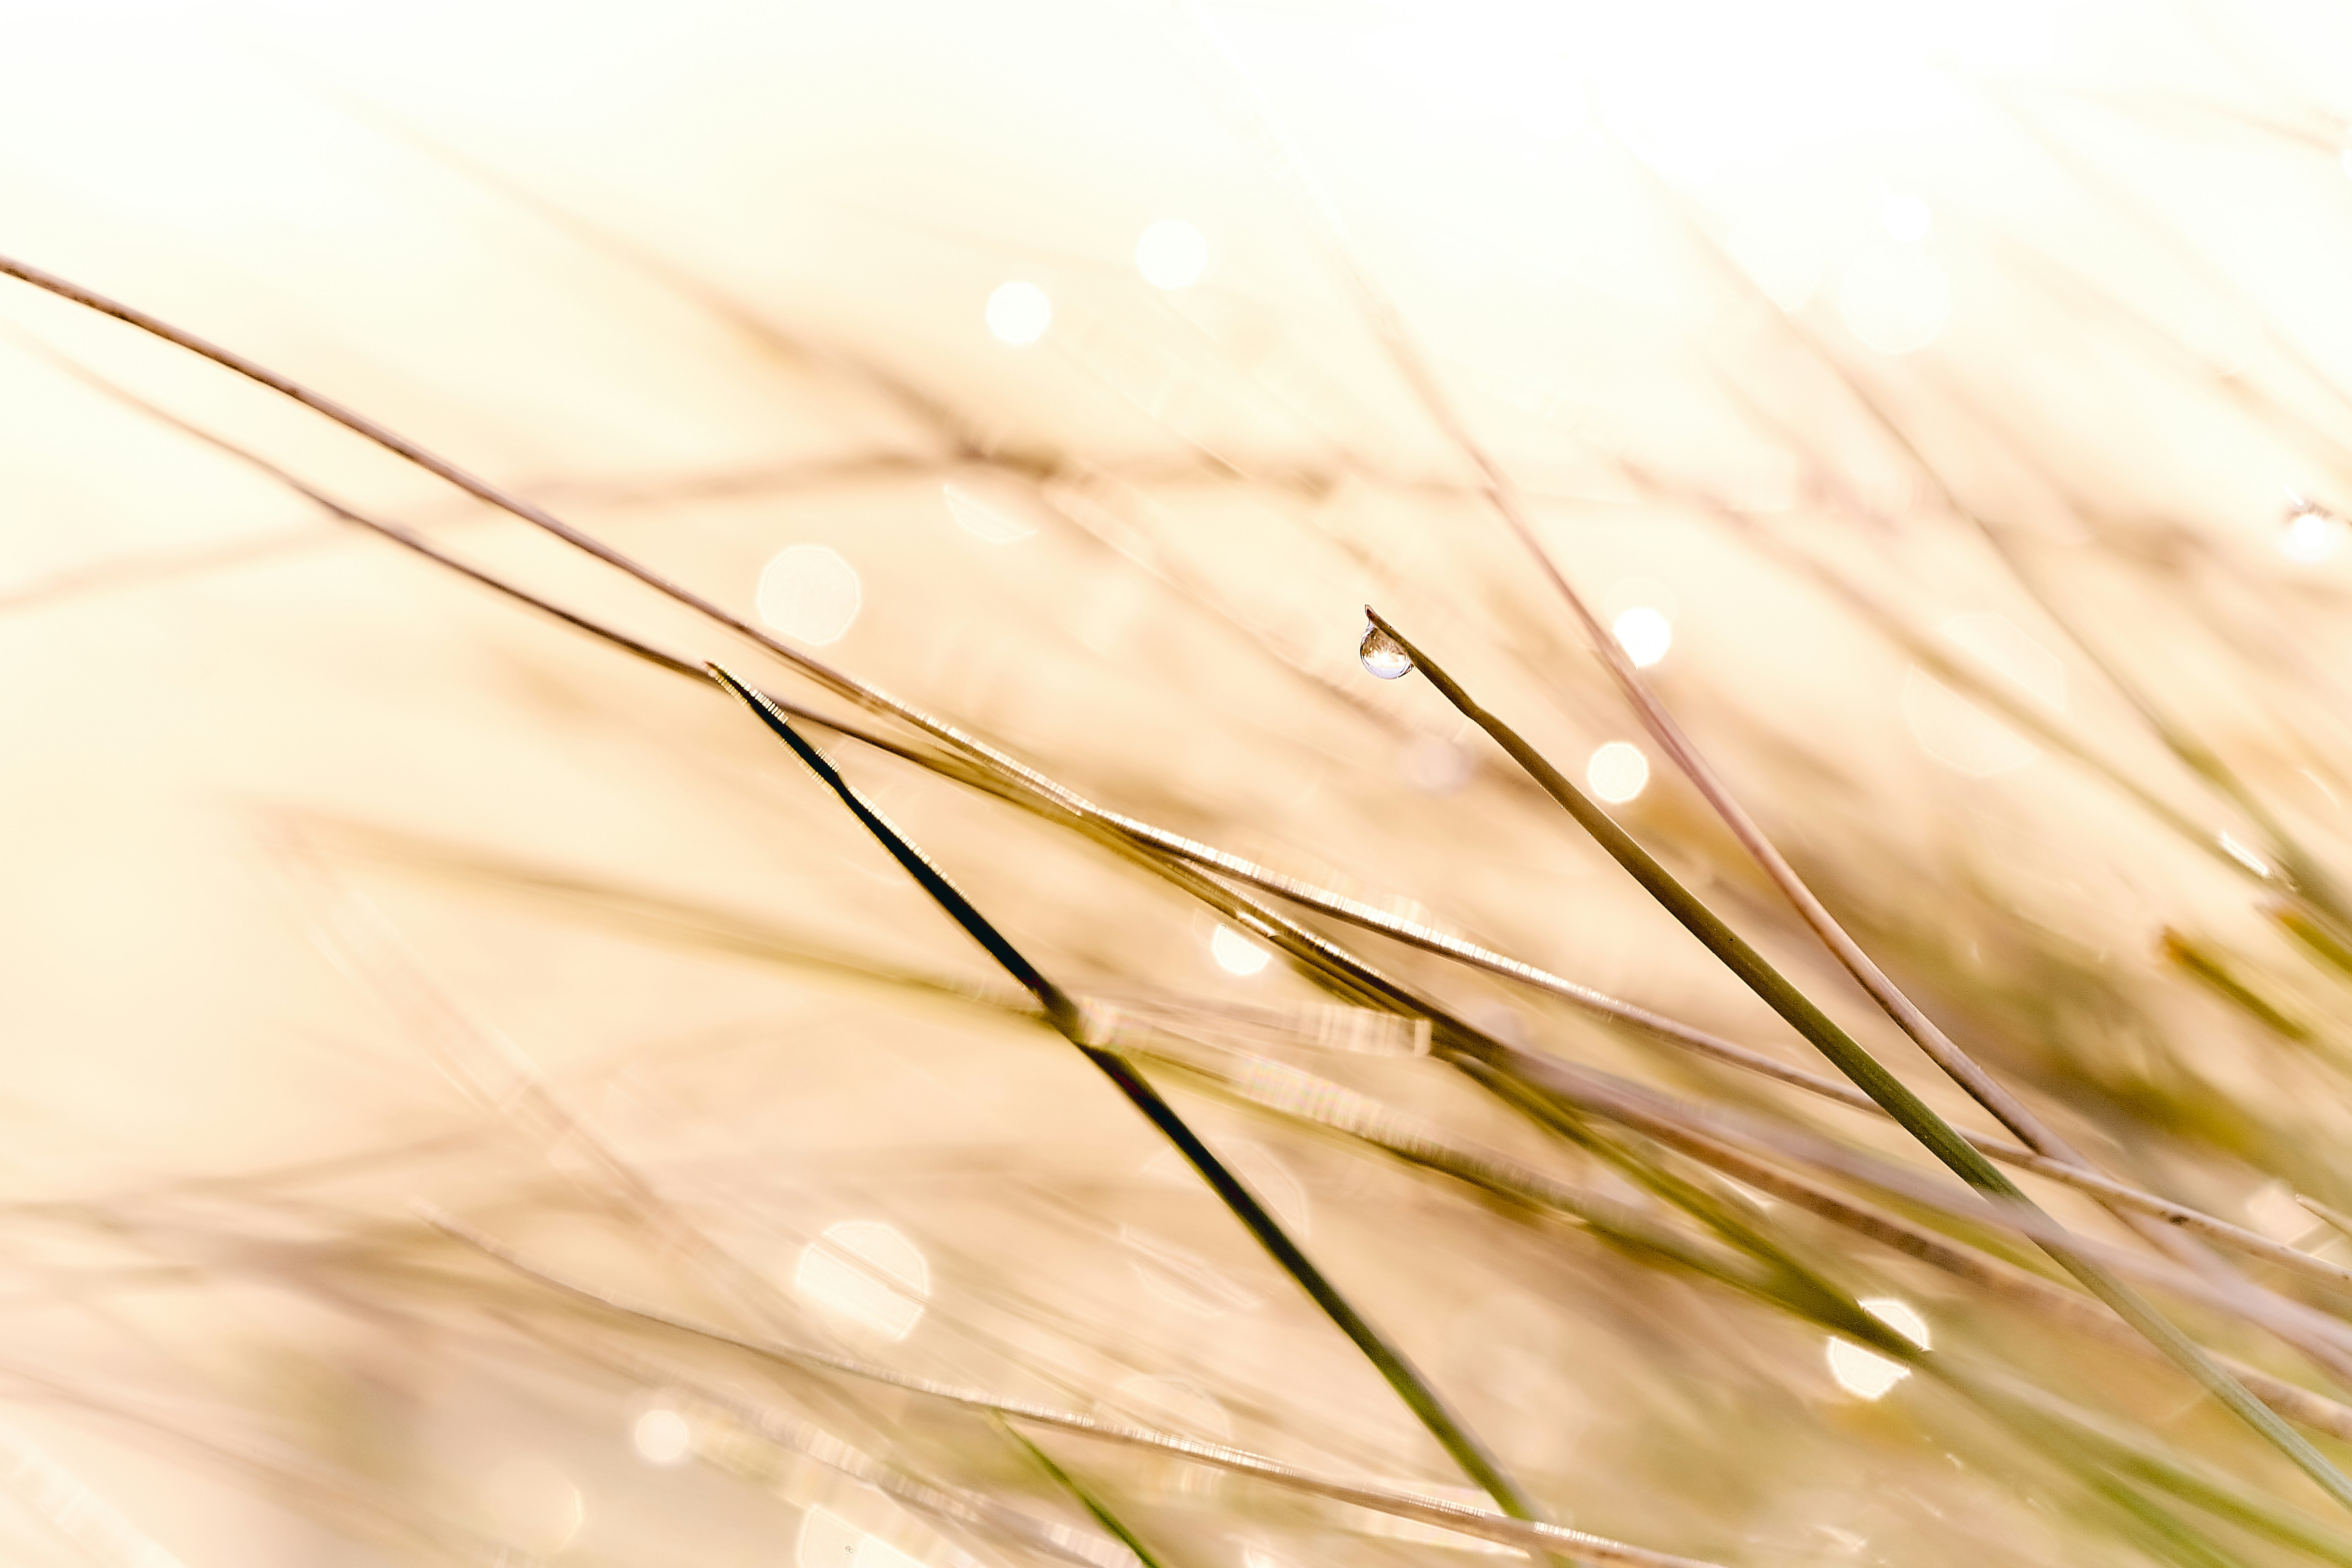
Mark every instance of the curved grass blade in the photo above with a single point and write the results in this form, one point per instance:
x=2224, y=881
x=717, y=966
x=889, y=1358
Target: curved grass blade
x=1414, y=369
x=1914, y=1115
x=664, y=917
x=1064, y=1014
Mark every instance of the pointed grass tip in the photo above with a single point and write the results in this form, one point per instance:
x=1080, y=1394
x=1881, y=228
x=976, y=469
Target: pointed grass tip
x=726, y=678
x=770, y=715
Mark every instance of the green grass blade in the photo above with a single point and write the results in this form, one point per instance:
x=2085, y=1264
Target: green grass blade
x=1063, y=1013
x=1867, y=1073
x=1082, y=1492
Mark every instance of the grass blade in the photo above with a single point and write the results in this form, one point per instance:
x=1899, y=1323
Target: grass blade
x=1303, y=1099
x=1063, y=1013
x=1915, y=1116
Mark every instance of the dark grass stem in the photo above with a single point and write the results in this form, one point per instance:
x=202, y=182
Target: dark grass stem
x=1419, y=1395
x=1867, y=1073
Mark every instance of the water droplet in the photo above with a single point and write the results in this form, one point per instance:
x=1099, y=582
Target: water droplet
x=1383, y=656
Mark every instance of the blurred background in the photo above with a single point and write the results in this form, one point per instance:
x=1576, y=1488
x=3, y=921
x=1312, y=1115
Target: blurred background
x=1946, y=406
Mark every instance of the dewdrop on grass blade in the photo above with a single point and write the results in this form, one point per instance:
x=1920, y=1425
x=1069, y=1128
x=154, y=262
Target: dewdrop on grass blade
x=1382, y=657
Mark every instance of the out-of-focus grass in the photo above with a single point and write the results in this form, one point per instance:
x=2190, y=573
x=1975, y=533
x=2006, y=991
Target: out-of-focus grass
x=473, y=1101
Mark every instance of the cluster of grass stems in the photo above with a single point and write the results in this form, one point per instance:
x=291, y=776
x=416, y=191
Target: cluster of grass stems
x=1742, y=1197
